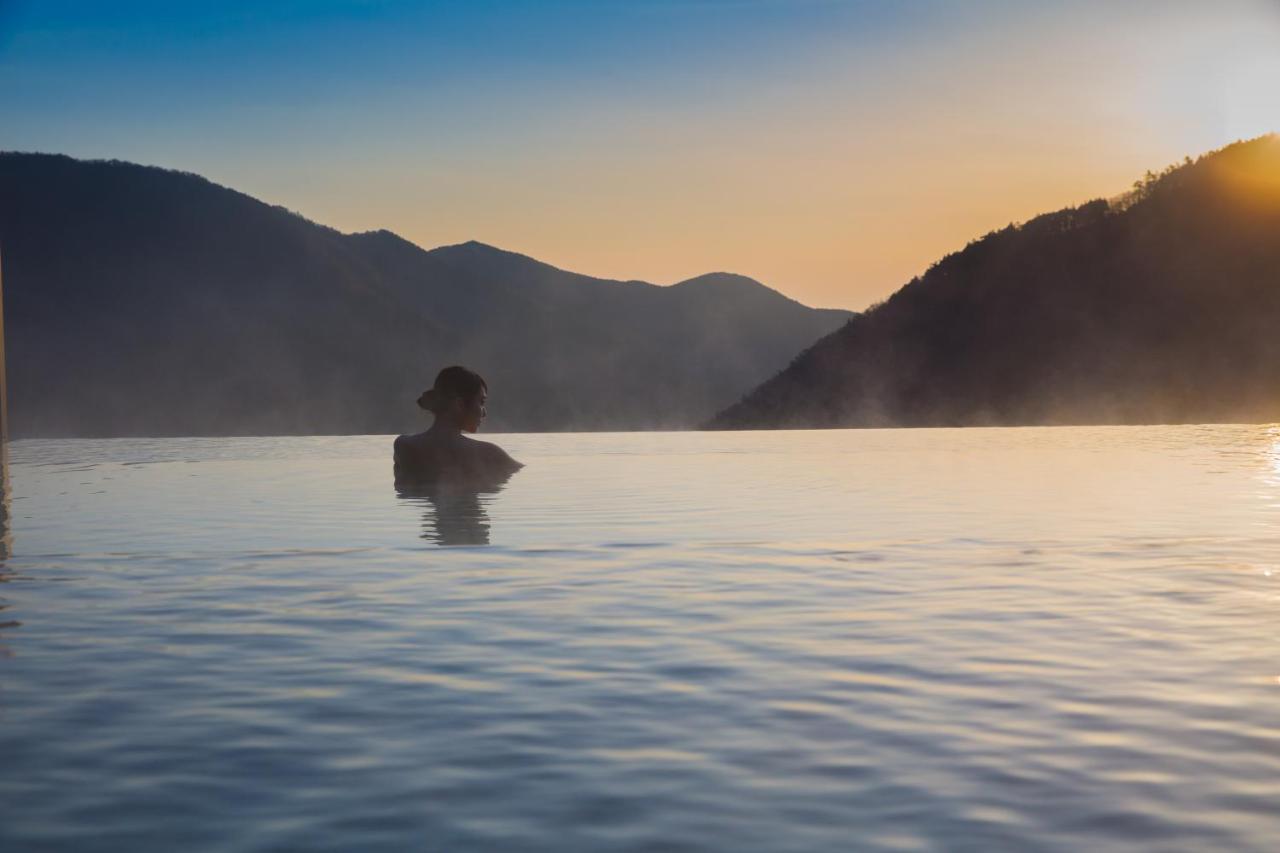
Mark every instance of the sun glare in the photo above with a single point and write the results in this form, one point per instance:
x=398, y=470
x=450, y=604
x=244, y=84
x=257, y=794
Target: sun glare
x=1251, y=97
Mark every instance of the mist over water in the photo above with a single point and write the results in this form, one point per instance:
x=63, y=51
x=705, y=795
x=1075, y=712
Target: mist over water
x=969, y=639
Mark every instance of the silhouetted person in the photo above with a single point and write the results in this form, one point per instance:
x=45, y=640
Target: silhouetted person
x=442, y=454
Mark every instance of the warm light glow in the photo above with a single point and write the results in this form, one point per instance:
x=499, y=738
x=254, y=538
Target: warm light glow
x=1273, y=454
x=1251, y=102
x=832, y=151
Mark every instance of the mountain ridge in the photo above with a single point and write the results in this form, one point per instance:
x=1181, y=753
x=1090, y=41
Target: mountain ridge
x=148, y=301
x=1158, y=306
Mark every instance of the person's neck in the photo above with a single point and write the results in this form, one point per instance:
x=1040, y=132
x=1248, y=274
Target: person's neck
x=445, y=429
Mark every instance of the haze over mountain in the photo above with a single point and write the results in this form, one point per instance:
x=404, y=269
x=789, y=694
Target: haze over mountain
x=140, y=301
x=1162, y=306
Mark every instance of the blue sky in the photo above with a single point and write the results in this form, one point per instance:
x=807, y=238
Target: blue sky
x=831, y=149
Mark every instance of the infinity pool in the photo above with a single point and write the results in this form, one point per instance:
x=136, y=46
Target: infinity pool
x=1032, y=639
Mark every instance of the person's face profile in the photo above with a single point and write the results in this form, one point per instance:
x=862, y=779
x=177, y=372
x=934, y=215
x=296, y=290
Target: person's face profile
x=473, y=411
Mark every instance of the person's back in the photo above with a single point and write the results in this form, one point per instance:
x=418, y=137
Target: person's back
x=442, y=454
x=428, y=458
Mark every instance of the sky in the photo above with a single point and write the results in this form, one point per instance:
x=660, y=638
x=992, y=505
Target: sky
x=832, y=149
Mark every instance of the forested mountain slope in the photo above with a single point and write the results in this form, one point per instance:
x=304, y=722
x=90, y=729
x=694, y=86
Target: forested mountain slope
x=1159, y=307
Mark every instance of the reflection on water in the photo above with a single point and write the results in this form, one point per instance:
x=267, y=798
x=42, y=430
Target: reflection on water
x=6, y=542
x=454, y=513
x=1272, y=454
x=5, y=546
x=1035, y=639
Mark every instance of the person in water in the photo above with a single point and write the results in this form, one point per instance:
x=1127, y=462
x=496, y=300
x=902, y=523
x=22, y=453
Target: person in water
x=443, y=454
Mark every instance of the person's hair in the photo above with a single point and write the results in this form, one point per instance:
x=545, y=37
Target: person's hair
x=452, y=383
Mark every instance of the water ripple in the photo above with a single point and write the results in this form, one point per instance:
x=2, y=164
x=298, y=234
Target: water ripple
x=1047, y=675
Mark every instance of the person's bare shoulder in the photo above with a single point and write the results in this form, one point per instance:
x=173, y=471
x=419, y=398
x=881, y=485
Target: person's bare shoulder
x=498, y=459
x=403, y=442
x=403, y=447
x=412, y=463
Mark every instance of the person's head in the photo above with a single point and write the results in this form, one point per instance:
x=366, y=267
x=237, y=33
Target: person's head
x=457, y=398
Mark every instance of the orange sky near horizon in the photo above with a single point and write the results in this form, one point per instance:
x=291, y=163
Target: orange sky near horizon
x=839, y=200
x=833, y=164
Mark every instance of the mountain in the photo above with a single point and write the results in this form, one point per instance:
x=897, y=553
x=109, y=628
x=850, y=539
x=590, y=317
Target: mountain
x=1162, y=306
x=140, y=301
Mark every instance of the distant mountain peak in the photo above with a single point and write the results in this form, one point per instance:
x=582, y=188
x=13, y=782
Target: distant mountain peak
x=382, y=235
x=730, y=286
x=719, y=279
x=477, y=246
x=469, y=246
x=476, y=250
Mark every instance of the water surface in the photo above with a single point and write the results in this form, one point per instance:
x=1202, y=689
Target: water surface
x=1053, y=639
